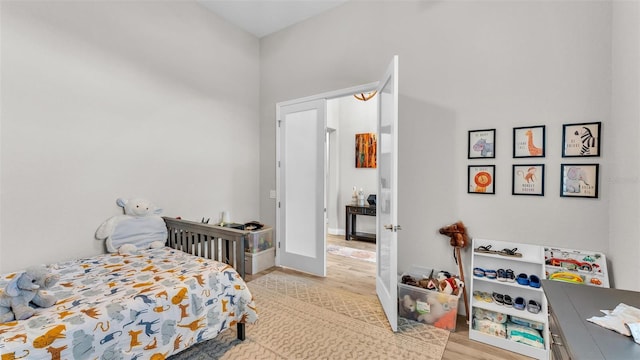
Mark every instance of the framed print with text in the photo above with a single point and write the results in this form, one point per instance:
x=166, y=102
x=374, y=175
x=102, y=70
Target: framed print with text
x=529, y=141
x=481, y=179
x=482, y=144
x=579, y=180
x=528, y=180
x=581, y=140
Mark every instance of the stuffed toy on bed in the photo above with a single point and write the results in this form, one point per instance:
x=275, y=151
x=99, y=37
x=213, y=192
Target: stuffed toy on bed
x=25, y=292
x=141, y=227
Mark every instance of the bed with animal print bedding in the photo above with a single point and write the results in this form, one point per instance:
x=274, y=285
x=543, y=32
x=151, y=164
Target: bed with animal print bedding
x=148, y=305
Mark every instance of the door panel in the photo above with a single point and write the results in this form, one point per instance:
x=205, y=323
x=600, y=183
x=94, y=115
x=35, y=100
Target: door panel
x=387, y=205
x=301, y=192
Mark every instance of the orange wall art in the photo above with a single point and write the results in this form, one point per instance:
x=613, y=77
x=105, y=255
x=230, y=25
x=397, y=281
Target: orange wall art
x=366, y=145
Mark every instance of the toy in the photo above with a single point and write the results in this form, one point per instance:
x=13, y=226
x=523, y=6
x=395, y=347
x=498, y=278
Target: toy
x=450, y=285
x=432, y=309
x=459, y=239
x=408, y=307
x=457, y=233
x=139, y=228
x=25, y=288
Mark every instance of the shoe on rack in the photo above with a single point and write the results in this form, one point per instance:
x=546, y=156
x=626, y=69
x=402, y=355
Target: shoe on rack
x=533, y=307
x=534, y=281
x=518, y=303
x=523, y=279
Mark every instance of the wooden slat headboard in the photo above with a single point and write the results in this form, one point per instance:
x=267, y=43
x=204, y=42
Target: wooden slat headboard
x=208, y=241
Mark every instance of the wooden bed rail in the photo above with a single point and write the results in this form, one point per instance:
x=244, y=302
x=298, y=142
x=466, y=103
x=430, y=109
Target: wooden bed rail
x=208, y=241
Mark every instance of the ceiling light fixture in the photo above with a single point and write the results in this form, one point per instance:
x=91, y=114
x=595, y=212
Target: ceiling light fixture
x=365, y=97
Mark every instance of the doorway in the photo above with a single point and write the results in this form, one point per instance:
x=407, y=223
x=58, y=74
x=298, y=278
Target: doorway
x=303, y=164
x=301, y=214
x=348, y=117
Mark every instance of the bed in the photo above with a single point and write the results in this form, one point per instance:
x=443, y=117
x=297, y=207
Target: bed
x=148, y=305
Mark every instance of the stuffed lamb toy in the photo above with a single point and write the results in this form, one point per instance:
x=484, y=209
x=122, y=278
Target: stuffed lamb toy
x=24, y=289
x=139, y=228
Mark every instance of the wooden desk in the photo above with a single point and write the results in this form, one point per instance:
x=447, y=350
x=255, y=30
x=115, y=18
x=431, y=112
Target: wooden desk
x=351, y=212
x=578, y=339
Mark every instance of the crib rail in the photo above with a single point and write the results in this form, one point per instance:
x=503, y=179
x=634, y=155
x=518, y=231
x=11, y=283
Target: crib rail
x=208, y=241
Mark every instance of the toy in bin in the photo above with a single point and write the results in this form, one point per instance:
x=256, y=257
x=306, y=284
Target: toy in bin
x=429, y=299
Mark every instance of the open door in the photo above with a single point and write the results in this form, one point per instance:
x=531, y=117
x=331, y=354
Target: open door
x=387, y=203
x=301, y=186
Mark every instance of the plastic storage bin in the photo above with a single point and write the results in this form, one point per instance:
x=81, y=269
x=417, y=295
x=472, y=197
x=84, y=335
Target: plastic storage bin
x=259, y=240
x=427, y=306
x=256, y=262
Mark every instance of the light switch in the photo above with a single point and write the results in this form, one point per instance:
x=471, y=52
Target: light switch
x=272, y=194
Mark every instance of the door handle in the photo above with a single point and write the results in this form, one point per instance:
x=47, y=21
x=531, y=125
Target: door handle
x=393, y=228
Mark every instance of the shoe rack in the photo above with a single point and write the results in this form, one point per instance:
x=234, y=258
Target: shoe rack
x=532, y=262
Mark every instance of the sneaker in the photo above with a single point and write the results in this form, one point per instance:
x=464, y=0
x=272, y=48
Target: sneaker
x=518, y=303
x=533, y=307
x=502, y=275
x=523, y=279
x=507, y=300
x=490, y=274
x=534, y=281
x=498, y=298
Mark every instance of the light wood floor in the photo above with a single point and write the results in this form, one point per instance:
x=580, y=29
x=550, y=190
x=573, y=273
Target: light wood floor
x=360, y=277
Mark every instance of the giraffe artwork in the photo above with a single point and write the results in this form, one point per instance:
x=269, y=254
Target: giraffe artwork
x=528, y=141
x=533, y=150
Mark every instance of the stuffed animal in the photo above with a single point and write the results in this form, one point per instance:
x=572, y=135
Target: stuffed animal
x=408, y=307
x=433, y=308
x=25, y=288
x=457, y=233
x=450, y=285
x=139, y=228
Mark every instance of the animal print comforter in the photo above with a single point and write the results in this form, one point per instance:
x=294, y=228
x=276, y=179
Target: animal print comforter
x=145, y=306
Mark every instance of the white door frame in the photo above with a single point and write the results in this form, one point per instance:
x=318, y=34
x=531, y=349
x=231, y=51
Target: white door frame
x=327, y=96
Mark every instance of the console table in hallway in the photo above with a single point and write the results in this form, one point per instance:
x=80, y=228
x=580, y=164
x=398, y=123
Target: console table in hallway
x=351, y=212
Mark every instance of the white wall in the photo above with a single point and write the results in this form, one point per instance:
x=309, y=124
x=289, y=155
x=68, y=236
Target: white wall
x=465, y=66
x=623, y=148
x=102, y=100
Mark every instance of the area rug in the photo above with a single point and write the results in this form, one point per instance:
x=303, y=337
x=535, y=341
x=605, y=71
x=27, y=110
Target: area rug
x=352, y=253
x=302, y=319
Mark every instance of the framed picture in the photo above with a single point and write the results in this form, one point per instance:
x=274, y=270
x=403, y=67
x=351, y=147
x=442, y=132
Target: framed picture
x=529, y=141
x=579, y=180
x=581, y=140
x=481, y=179
x=528, y=180
x=366, y=145
x=482, y=144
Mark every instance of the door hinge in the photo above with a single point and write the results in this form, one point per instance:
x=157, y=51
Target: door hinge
x=278, y=204
x=278, y=163
x=279, y=123
x=278, y=244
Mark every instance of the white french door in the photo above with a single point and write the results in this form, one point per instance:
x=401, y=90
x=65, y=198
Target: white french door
x=387, y=203
x=301, y=186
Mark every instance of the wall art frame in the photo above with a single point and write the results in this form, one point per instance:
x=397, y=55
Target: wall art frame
x=482, y=144
x=365, y=151
x=527, y=179
x=481, y=179
x=579, y=180
x=529, y=141
x=581, y=140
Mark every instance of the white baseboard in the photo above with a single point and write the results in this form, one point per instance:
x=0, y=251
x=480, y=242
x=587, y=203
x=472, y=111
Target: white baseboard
x=335, y=231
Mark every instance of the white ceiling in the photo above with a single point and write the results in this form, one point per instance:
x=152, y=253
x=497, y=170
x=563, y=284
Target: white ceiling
x=263, y=17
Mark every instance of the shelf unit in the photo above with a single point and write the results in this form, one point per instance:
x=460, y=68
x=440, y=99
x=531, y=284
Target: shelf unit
x=532, y=262
x=591, y=266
